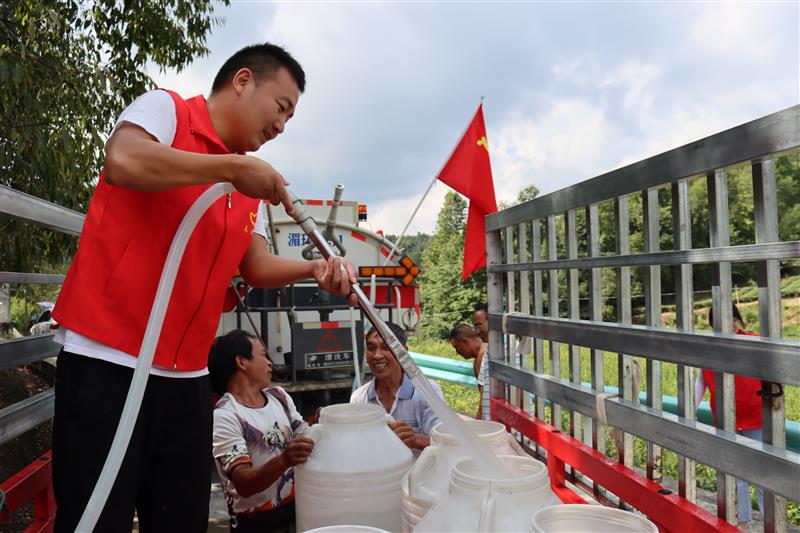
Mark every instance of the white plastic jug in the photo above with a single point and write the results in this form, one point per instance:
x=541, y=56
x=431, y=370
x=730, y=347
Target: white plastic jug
x=428, y=480
x=482, y=504
x=353, y=475
x=595, y=518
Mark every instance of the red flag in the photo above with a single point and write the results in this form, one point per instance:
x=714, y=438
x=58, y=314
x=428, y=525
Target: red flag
x=469, y=172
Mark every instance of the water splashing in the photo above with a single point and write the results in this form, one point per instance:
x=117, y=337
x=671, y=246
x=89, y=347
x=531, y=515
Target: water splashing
x=487, y=461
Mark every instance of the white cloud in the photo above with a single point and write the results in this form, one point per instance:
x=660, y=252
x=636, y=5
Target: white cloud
x=742, y=28
x=550, y=151
x=636, y=79
x=391, y=216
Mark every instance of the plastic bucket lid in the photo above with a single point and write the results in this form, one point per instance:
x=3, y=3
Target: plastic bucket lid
x=594, y=518
x=488, y=431
x=530, y=474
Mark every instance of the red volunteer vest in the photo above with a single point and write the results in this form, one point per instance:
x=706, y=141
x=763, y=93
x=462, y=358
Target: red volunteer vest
x=111, y=284
x=748, y=402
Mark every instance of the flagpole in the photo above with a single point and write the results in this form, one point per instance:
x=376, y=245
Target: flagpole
x=403, y=233
x=433, y=182
x=458, y=142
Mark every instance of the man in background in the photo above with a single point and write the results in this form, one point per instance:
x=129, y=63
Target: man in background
x=468, y=344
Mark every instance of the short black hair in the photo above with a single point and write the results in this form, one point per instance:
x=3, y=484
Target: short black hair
x=463, y=331
x=735, y=311
x=397, y=330
x=222, y=357
x=264, y=60
x=482, y=307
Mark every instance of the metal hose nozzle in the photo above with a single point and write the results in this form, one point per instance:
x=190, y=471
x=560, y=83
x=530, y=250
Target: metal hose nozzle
x=309, y=227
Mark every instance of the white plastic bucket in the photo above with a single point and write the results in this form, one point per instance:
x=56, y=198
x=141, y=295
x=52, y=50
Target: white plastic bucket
x=595, y=518
x=352, y=478
x=428, y=480
x=483, y=504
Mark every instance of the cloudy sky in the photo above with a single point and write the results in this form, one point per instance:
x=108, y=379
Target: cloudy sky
x=572, y=89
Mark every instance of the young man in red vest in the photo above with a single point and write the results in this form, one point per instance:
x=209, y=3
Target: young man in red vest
x=163, y=153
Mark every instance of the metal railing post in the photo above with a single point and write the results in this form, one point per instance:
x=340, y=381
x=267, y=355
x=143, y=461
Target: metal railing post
x=573, y=312
x=768, y=276
x=719, y=236
x=495, y=305
x=552, y=307
x=684, y=320
x=624, y=316
x=652, y=295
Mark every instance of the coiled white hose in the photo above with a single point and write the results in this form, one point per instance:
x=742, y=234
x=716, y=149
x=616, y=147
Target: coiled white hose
x=145, y=360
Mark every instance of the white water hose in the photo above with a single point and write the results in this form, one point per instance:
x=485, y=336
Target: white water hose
x=145, y=360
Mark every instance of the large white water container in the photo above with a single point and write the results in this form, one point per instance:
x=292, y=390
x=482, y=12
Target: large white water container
x=353, y=475
x=428, y=480
x=482, y=503
x=594, y=518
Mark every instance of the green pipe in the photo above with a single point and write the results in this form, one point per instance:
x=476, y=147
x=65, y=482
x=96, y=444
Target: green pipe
x=460, y=372
x=450, y=365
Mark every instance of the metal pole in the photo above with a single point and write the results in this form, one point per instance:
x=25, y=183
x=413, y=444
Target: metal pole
x=413, y=214
x=652, y=292
x=769, y=300
x=684, y=320
x=719, y=236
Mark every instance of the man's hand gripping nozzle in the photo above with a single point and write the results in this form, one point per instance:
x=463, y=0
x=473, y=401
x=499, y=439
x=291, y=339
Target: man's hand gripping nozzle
x=309, y=227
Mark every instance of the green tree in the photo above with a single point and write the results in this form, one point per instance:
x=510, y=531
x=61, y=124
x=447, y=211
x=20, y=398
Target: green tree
x=413, y=245
x=67, y=69
x=527, y=193
x=446, y=300
x=787, y=175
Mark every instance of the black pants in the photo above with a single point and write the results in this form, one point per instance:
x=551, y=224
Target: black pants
x=166, y=474
x=280, y=520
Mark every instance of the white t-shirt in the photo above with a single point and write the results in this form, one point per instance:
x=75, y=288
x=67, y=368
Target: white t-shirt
x=247, y=435
x=155, y=113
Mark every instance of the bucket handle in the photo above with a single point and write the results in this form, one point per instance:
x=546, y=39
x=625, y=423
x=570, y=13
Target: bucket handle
x=315, y=433
x=486, y=515
x=423, y=464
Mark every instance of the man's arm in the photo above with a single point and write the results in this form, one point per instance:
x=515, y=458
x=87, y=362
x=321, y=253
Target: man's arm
x=406, y=434
x=136, y=160
x=259, y=268
x=249, y=480
x=699, y=389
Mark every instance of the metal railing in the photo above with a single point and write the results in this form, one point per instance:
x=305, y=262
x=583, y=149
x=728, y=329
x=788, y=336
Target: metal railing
x=34, y=481
x=522, y=246
x=22, y=416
